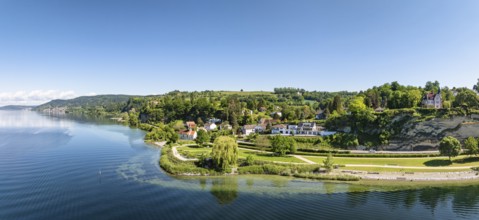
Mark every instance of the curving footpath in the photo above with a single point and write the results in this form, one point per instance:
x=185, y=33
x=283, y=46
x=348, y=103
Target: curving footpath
x=179, y=156
x=397, y=176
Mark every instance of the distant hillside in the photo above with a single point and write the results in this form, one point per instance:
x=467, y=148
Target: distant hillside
x=16, y=107
x=110, y=103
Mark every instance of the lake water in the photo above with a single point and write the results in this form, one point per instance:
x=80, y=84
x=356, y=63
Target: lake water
x=59, y=168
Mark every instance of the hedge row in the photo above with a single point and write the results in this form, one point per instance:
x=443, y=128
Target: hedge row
x=328, y=177
x=277, y=169
x=324, y=151
x=372, y=155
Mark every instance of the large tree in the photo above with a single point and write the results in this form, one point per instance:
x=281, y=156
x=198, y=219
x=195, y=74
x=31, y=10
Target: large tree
x=357, y=104
x=466, y=97
x=337, y=104
x=203, y=138
x=162, y=132
x=449, y=146
x=471, y=145
x=282, y=145
x=224, y=152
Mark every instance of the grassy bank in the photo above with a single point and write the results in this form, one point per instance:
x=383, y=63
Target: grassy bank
x=195, y=152
x=266, y=164
x=342, y=177
x=172, y=165
x=402, y=170
x=460, y=161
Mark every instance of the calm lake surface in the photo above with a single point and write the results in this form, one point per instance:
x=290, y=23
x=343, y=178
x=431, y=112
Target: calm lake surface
x=59, y=168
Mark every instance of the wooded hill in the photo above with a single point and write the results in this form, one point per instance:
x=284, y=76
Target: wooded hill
x=374, y=117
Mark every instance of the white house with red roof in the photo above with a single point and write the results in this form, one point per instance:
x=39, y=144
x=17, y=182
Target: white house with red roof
x=431, y=100
x=188, y=135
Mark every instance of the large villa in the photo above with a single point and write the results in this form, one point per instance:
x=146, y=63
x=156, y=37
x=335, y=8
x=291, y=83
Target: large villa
x=301, y=129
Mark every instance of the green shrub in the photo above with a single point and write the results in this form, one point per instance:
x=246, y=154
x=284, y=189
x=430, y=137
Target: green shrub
x=256, y=169
x=250, y=159
x=328, y=177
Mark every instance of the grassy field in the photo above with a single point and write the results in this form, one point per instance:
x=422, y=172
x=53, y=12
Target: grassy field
x=268, y=157
x=427, y=163
x=416, y=162
x=383, y=169
x=197, y=151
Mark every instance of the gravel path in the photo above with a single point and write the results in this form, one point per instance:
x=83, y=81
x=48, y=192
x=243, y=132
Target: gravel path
x=179, y=156
x=304, y=159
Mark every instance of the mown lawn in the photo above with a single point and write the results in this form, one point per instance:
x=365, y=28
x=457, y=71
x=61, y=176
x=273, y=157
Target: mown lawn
x=197, y=151
x=193, y=151
x=416, y=162
x=268, y=157
x=382, y=169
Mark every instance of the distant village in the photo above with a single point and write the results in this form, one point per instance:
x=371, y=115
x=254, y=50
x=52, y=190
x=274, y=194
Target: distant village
x=264, y=126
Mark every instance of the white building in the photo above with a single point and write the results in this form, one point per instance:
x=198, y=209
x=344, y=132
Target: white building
x=280, y=114
x=303, y=129
x=210, y=126
x=432, y=100
x=279, y=129
x=248, y=129
x=188, y=135
x=307, y=128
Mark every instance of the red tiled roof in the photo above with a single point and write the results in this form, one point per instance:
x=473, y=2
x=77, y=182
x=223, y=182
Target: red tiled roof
x=430, y=96
x=191, y=124
x=189, y=133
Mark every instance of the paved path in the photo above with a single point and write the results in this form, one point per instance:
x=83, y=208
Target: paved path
x=304, y=159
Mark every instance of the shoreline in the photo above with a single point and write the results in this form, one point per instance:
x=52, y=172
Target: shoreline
x=392, y=177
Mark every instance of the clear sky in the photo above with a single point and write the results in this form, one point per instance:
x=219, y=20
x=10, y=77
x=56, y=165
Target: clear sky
x=66, y=48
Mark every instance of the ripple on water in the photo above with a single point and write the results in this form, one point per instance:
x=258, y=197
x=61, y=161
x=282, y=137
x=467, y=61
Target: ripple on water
x=54, y=174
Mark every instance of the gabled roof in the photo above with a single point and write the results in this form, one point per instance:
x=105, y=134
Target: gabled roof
x=249, y=127
x=268, y=121
x=280, y=126
x=307, y=124
x=189, y=133
x=190, y=124
x=431, y=96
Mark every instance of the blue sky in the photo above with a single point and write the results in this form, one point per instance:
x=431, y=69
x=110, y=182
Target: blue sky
x=144, y=47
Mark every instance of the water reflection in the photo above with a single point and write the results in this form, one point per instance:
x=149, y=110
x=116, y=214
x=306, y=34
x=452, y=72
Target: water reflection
x=29, y=119
x=410, y=198
x=224, y=189
x=250, y=183
x=330, y=188
x=98, y=146
x=356, y=196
